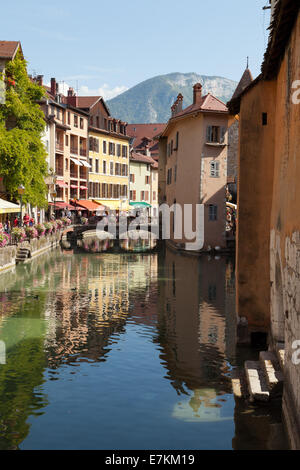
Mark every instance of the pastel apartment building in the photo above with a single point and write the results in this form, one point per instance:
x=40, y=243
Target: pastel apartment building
x=108, y=154
x=67, y=145
x=193, y=169
x=143, y=183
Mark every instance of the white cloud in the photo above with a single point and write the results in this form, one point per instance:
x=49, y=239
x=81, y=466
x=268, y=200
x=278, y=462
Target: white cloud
x=105, y=90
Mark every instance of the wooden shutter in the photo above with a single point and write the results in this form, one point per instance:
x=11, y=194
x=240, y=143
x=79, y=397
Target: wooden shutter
x=222, y=135
x=209, y=134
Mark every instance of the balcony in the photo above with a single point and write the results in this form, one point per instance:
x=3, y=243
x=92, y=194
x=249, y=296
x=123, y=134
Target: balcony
x=74, y=150
x=59, y=146
x=59, y=171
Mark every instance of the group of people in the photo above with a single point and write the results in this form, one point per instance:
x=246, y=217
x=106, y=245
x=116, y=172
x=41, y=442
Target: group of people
x=27, y=221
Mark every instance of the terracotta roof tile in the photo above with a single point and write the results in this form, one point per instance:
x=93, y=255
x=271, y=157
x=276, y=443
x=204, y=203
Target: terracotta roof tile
x=140, y=131
x=139, y=157
x=87, y=101
x=8, y=49
x=207, y=103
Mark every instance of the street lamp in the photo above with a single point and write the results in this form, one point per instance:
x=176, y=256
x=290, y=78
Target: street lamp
x=21, y=190
x=54, y=194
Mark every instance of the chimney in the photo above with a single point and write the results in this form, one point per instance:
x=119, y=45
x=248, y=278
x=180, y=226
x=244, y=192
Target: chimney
x=72, y=98
x=173, y=109
x=39, y=80
x=53, y=86
x=197, y=95
x=179, y=103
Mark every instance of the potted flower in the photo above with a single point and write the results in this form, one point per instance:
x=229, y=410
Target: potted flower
x=40, y=228
x=59, y=224
x=84, y=220
x=31, y=232
x=48, y=227
x=19, y=234
x=4, y=239
x=66, y=221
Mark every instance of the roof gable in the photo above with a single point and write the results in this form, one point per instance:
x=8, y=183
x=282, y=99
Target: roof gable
x=8, y=49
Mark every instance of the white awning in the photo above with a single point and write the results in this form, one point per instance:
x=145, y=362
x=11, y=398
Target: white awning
x=85, y=164
x=7, y=207
x=77, y=162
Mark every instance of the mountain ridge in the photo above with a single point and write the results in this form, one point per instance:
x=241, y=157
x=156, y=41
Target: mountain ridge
x=150, y=101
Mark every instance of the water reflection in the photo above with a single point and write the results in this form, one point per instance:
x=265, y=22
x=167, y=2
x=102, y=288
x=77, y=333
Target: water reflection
x=137, y=348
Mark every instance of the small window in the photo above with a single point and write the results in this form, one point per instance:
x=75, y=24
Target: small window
x=75, y=120
x=81, y=123
x=104, y=146
x=215, y=169
x=264, y=119
x=215, y=134
x=177, y=140
x=104, y=167
x=213, y=212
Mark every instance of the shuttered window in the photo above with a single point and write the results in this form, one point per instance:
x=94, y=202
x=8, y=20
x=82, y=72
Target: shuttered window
x=214, y=169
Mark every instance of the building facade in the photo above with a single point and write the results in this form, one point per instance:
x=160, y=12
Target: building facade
x=268, y=235
x=109, y=168
x=193, y=171
x=141, y=184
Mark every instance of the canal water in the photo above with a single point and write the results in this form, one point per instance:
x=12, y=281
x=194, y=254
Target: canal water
x=124, y=351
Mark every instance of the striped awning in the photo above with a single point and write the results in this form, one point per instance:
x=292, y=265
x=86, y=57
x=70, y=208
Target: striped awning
x=77, y=162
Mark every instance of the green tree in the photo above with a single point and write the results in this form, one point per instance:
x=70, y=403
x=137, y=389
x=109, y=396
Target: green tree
x=22, y=152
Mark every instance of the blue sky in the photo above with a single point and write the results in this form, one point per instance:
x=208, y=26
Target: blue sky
x=108, y=46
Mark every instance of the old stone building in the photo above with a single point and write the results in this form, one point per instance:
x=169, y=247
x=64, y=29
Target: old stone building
x=268, y=235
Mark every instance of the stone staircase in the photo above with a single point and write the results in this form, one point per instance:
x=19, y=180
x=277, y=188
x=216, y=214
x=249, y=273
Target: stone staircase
x=262, y=380
x=22, y=255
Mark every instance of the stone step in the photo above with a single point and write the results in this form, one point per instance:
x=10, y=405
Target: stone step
x=256, y=380
x=239, y=383
x=273, y=372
